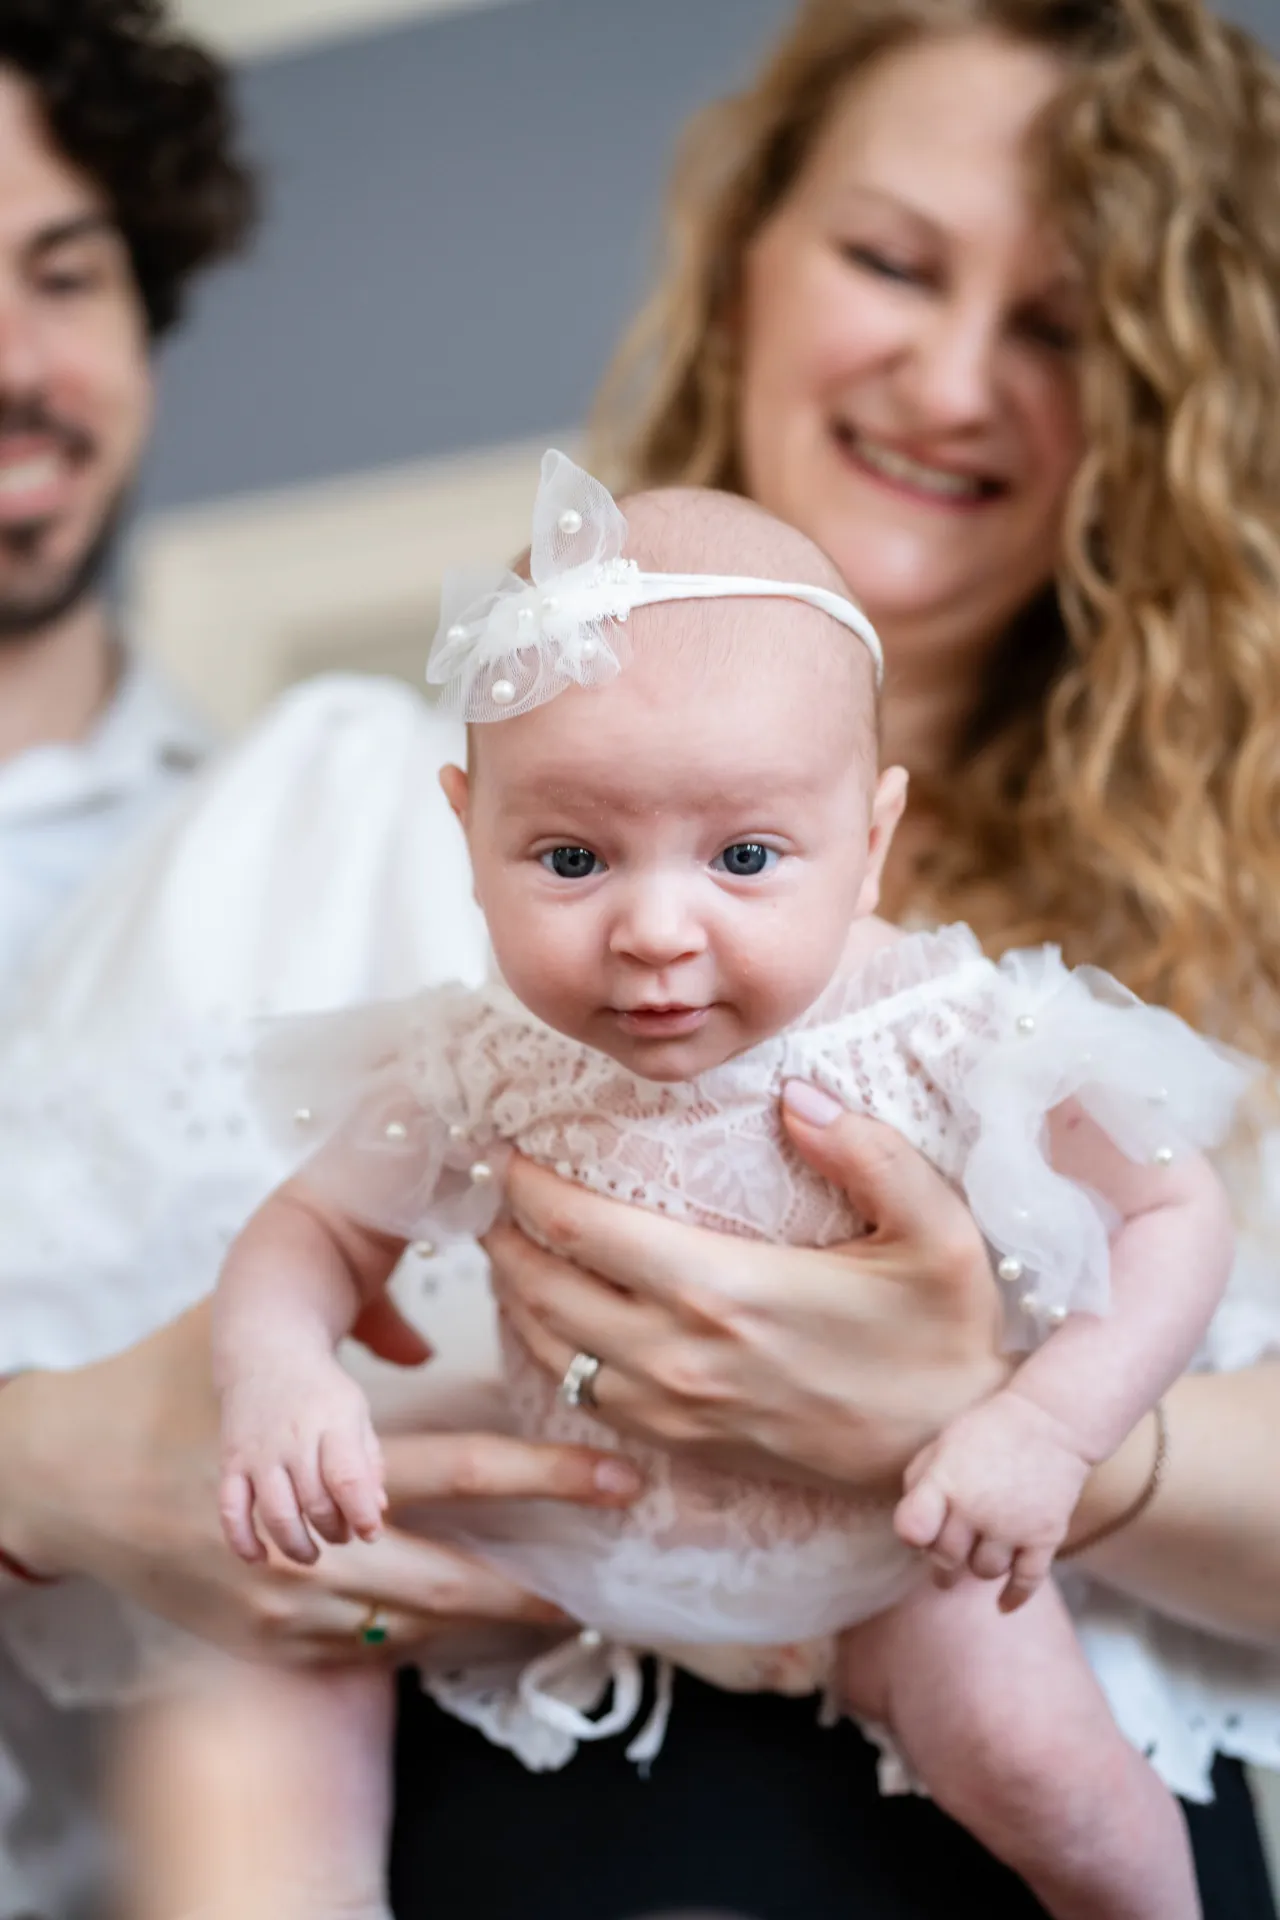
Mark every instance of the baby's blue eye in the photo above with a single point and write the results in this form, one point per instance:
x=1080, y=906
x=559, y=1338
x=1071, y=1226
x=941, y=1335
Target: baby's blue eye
x=570, y=863
x=746, y=859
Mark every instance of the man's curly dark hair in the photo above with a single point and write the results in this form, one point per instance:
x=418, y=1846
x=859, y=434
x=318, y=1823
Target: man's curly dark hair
x=148, y=115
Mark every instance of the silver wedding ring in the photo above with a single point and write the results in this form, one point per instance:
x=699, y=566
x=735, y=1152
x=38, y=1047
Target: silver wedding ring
x=577, y=1389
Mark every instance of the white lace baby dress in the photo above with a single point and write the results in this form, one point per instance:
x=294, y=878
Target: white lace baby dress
x=965, y=1058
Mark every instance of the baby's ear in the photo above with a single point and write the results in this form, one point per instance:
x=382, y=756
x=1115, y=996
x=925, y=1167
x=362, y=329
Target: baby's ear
x=886, y=811
x=454, y=786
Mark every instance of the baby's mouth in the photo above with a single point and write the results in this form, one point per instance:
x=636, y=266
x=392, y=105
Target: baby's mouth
x=661, y=1022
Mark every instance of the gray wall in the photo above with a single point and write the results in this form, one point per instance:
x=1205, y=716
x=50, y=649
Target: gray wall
x=429, y=187
x=462, y=214
x=1262, y=15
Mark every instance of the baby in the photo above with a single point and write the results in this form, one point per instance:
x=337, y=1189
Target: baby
x=677, y=832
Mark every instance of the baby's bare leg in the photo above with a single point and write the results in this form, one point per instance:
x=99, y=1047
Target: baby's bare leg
x=1003, y=1722
x=342, y=1804
x=264, y=1796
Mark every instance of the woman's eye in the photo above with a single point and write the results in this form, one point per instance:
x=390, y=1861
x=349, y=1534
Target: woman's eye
x=871, y=260
x=745, y=859
x=1056, y=335
x=570, y=863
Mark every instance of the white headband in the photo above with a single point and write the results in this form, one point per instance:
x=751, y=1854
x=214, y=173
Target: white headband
x=505, y=644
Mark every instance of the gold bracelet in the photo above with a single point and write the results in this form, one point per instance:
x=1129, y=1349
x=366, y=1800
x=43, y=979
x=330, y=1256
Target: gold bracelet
x=1143, y=1500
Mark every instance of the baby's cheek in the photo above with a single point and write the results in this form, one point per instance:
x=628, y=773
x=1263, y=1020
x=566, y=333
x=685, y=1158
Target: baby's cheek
x=785, y=975
x=553, y=978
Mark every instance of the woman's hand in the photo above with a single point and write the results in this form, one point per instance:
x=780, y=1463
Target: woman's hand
x=111, y=1471
x=842, y=1363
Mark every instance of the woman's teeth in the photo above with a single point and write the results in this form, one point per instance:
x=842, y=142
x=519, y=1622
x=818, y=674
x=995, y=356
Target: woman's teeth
x=913, y=473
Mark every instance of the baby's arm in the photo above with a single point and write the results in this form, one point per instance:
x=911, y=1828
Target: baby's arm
x=297, y=1440
x=997, y=1489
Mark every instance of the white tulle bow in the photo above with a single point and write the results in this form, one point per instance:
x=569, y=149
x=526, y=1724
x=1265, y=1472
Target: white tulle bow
x=505, y=644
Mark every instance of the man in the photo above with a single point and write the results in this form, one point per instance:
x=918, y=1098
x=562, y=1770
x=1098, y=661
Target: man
x=97, y=103
x=119, y=180
x=100, y=106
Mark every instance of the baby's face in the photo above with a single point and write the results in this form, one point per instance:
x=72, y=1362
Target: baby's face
x=670, y=866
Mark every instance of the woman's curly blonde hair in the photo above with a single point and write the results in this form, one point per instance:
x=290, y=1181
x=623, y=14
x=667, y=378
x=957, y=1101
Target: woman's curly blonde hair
x=1121, y=789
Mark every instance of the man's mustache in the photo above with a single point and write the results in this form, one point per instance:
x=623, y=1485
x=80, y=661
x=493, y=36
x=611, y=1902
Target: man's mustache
x=20, y=419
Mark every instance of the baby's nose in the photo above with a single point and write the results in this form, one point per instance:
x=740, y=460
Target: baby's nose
x=657, y=926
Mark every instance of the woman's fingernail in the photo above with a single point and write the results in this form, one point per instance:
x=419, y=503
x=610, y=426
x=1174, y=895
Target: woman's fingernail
x=616, y=1477
x=810, y=1103
x=541, y=1613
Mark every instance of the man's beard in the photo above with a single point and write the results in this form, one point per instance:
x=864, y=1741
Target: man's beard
x=25, y=616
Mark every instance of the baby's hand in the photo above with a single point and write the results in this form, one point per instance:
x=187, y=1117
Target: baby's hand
x=993, y=1495
x=299, y=1450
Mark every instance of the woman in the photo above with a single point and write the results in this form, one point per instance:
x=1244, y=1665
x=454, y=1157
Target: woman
x=910, y=308
x=873, y=325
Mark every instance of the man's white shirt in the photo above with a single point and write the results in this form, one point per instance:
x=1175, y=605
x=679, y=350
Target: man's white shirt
x=65, y=813
x=66, y=810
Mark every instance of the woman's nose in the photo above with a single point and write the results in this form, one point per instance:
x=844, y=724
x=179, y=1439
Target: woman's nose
x=951, y=378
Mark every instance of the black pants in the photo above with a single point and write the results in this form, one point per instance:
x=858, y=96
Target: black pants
x=750, y=1808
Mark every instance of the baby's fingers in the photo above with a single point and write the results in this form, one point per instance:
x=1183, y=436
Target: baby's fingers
x=235, y=1508
x=950, y=1551
x=921, y=1514
x=281, y=1515
x=1029, y=1572
x=351, y=1467
x=919, y=1466
x=318, y=1506
x=991, y=1559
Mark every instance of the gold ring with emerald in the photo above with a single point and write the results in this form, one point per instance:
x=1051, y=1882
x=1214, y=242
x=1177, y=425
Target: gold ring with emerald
x=372, y=1631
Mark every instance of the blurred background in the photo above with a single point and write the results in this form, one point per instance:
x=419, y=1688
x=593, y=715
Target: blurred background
x=463, y=210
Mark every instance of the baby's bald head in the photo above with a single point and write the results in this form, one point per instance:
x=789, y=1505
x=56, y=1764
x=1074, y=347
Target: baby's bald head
x=698, y=530
x=695, y=530
x=684, y=646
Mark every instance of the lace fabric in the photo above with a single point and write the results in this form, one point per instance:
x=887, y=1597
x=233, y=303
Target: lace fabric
x=965, y=1058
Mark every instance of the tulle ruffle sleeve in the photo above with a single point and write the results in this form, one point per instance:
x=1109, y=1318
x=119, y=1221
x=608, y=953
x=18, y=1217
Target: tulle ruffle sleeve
x=1037, y=1036
x=397, y=1132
